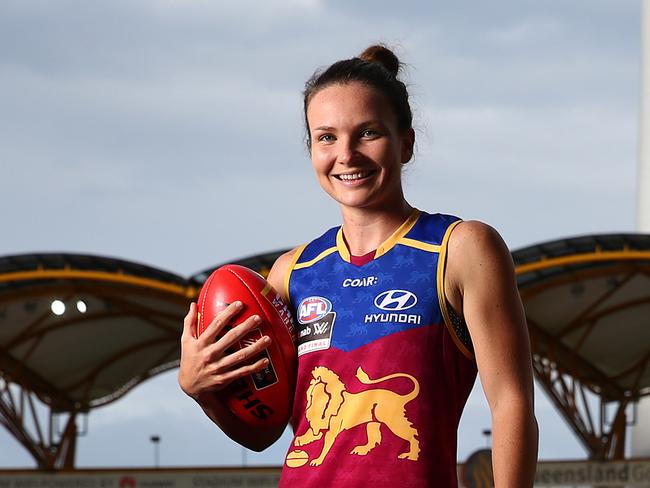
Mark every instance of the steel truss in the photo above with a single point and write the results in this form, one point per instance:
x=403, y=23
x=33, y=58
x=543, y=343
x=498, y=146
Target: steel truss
x=49, y=436
x=585, y=406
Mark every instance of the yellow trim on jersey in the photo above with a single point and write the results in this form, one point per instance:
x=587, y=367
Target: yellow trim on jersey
x=395, y=238
x=311, y=262
x=287, y=274
x=267, y=288
x=403, y=229
x=440, y=283
x=419, y=245
x=342, y=247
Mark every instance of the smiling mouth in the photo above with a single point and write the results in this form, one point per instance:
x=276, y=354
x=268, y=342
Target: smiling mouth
x=359, y=175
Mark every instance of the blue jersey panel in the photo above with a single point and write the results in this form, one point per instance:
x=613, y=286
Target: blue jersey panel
x=356, y=305
x=432, y=228
x=394, y=292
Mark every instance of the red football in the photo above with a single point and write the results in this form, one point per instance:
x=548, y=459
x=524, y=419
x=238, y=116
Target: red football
x=263, y=398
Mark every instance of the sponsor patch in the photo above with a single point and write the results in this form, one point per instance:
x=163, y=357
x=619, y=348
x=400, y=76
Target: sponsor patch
x=394, y=318
x=360, y=282
x=395, y=300
x=313, y=308
x=316, y=320
x=316, y=335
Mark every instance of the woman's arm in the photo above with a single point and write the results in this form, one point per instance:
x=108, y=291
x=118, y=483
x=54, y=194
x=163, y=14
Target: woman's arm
x=482, y=284
x=205, y=368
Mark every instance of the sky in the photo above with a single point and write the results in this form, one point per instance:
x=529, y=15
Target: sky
x=170, y=133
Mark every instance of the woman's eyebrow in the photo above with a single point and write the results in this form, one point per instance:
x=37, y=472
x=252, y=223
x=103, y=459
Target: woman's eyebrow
x=360, y=124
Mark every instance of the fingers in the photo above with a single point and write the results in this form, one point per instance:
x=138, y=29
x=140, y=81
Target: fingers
x=230, y=376
x=222, y=319
x=235, y=334
x=189, y=322
x=208, y=364
x=244, y=354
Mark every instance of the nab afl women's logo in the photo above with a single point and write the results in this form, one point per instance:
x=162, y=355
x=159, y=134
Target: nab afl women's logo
x=313, y=308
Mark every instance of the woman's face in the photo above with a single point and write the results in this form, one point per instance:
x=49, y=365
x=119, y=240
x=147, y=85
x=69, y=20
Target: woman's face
x=357, y=149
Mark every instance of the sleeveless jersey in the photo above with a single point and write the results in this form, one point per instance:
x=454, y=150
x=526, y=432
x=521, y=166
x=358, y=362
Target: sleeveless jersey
x=384, y=365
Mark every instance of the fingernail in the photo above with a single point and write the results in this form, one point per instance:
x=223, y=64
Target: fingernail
x=257, y=319
x=238, y=304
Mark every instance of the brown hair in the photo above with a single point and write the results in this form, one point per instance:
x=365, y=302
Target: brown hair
x=376, y=67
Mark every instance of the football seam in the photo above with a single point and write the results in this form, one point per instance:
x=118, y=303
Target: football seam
x=252, y=293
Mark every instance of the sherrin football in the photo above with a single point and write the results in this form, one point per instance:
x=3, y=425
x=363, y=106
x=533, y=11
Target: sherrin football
x=263, y=398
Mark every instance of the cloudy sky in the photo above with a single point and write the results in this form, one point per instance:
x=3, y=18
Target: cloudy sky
x=169, y=132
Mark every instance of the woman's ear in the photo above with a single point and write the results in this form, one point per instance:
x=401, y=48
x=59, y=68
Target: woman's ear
x=408, y=141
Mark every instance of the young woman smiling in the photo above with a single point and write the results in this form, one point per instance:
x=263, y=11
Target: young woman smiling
x=385, y=365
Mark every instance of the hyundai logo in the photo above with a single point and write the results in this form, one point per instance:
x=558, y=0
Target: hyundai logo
x=395, y=300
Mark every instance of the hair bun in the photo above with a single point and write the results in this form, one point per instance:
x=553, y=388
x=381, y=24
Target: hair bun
x=382, y=55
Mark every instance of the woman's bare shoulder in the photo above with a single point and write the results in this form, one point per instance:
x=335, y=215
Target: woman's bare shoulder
x=474, y=248
x=475, y=236
x=280, y=269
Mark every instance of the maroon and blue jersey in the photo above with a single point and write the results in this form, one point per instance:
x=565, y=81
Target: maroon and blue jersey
x=385, y=366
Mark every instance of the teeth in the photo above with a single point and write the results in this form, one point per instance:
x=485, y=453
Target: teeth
x=353, y=176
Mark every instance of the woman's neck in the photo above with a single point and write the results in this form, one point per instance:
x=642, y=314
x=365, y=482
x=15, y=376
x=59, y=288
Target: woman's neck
x=365, y=229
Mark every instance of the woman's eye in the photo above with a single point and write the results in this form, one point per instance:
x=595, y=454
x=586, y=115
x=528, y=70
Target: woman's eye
x=326, y=138
x=369, y=133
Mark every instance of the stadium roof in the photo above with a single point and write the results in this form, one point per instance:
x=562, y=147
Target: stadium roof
x=80, y=331
x=117, y=324
x=260, y=262
x=587, y=302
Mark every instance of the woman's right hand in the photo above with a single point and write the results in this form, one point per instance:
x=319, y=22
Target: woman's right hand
x=205, y=366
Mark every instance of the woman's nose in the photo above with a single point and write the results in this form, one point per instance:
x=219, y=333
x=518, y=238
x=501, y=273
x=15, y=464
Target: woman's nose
x=346, y=152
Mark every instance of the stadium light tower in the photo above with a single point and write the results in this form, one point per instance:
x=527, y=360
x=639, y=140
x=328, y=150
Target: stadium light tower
x=643, y=176
x=641, y=431
x=155, y=440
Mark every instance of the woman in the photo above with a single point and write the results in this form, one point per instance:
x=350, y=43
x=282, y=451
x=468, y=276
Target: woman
x=397, y=310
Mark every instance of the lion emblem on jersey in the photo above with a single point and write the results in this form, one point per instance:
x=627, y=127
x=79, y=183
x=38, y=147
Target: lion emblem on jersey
x=331, y=410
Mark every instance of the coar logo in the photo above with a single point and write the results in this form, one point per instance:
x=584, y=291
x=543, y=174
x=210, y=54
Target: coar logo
x=394, y=300
x=313, y=308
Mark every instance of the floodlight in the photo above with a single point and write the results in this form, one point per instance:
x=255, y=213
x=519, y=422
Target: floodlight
x=57, y=307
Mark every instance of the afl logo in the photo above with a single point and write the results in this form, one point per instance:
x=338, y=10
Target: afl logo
x=313, y=308
x=395, y=300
